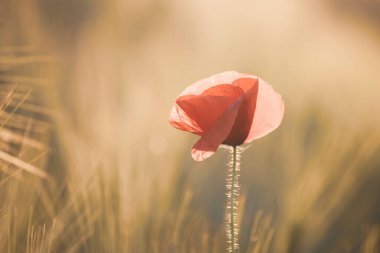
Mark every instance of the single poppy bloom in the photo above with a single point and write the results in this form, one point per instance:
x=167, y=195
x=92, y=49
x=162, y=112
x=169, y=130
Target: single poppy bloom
x=227, y=108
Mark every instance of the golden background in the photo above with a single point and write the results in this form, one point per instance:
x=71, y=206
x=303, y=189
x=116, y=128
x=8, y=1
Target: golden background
x=89, y=163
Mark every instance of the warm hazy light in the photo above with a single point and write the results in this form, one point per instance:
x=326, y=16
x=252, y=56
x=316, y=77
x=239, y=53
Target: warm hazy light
x=89, y=163
x=227, y=108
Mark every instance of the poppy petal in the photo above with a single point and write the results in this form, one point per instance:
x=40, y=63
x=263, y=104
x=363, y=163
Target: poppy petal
x=243, y=122
x=208, y=144
x=269, y=112
x=199, y=87
x=180, y=120
x=207, y=107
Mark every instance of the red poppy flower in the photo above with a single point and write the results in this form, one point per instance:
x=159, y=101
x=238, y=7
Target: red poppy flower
x=227, y=108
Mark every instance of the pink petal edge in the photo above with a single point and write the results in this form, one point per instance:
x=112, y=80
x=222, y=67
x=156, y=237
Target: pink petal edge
x=269, y=112
x=199, y=87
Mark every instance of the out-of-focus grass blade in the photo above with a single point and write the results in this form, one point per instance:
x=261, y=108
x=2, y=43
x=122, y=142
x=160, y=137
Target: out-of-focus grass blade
x=23, y=165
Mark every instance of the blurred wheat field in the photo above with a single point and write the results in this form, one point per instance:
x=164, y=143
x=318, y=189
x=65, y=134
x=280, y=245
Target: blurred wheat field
x=88, y=162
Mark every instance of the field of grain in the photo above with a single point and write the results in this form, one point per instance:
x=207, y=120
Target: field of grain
x=89, y=163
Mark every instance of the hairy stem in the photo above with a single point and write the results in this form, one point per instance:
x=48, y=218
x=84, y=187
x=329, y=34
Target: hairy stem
x=232, y=184
x=232, y=200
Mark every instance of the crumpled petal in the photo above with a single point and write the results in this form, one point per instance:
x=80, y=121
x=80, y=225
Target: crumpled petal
x=205, y=108
x=208, y=144
x=180, y=120
x=269, y=112
x=243, y=121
